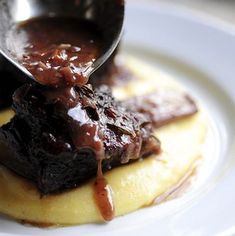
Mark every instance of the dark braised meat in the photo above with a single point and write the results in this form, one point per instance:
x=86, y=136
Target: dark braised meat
x=7, y=87
x=163, y=107
x=58, y=136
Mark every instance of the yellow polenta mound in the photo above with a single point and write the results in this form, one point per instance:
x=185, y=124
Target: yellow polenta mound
x=134, y=185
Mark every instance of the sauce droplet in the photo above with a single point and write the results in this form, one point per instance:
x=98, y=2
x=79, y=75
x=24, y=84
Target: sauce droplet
x=103, y=195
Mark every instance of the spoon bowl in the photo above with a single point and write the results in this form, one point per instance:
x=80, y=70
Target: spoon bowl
x=108, y=15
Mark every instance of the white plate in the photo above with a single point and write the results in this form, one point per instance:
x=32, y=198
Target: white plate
x=200, y=52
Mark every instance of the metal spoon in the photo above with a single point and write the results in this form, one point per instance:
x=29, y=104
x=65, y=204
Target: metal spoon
x=108, y=15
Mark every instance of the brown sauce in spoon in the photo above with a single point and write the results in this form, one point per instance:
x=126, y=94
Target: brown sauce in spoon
x=58, y=51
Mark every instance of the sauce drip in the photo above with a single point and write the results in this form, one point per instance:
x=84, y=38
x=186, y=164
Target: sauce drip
x=86, y=134
x=57, y=51
x=60, y=53
x=72, y=104
x=103, y=195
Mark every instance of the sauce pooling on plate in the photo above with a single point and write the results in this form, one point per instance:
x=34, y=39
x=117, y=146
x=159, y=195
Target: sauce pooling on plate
x=58, y=51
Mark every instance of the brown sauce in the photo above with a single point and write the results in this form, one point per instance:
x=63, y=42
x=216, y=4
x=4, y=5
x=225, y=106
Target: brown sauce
x=103, y=195
x=58, y=51
x=84, y=133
